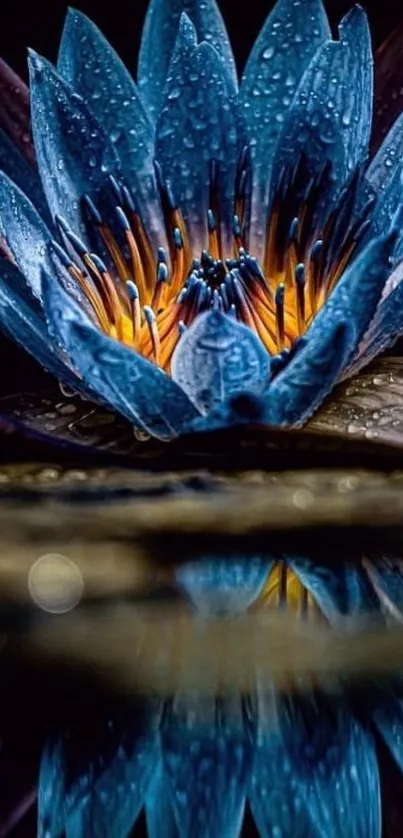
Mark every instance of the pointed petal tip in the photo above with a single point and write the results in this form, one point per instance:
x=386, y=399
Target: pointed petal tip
x=217, y=358
x=356, y=13
x=35, y=61
x=186, y=25
x=186, y=35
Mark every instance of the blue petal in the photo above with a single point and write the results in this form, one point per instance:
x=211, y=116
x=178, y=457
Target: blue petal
x=217, y=358
x=100, y=792
x=340, y=591
x=384, y=330
x=25, y=233
x=22, y=319
x=388, y=158
x=316, y=776
x=91, y=66
x=207, y=765
x=333, y=338
x=355, y=36
x=73, y=151
x=28, y=239
x=17, y=168
x=389, y=720
x=199, y=126
x=93, y=69
x=386, y=175
x=296, y=393
x=158, y=806
x=51, y=791
x=386, y=576
x=224, y=585
x=159, y=35
x=329, y=120
x=120, y=376
x=287, y=43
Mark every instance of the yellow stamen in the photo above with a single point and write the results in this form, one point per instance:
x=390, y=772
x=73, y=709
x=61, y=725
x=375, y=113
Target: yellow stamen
x=92, y=295
x=154, y=333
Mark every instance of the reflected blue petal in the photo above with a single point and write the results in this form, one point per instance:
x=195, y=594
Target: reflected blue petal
x=388, y=718
x=224, y=585
x=198, y=127
x=386, y=575
x=121, y=377
x=315, y=776
x=207, y=760
x=159, y=35
x=340, y=591
x=216, y=358
x=329, y=120
x=158, y=805
x=286, y=45
x=51, y=791
x=73, y=152
x=17, y=168
x=96, y=786
x=25, y=233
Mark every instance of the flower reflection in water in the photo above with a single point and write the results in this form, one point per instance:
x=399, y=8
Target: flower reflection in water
x=299, y=757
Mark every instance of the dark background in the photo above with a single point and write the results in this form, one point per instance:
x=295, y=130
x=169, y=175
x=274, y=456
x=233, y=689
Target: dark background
x=39, y=24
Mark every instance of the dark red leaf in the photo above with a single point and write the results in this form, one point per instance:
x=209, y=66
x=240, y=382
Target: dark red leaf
x=15, y=110
x=388, y=86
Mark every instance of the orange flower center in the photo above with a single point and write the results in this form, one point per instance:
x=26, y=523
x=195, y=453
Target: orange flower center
x=145, y=299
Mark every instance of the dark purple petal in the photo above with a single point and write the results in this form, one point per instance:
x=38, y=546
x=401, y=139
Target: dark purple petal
x=15, y=111
x=388, y=86
x=72, y=423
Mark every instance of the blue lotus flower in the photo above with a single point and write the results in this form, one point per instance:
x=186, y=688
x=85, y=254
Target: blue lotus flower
x=197, y=251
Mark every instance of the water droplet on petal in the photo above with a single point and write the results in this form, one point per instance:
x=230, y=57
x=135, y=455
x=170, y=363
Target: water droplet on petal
x=268, y=53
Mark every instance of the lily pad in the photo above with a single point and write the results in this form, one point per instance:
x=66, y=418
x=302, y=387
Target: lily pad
x=366, y=408
x=363, y=417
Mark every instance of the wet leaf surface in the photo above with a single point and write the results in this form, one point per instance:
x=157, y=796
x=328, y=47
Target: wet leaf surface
x=362, y=417
x=366, y=408
x=71, y=422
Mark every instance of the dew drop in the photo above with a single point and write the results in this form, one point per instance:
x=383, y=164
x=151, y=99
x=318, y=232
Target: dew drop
x=268, y=53
x=174, y=93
